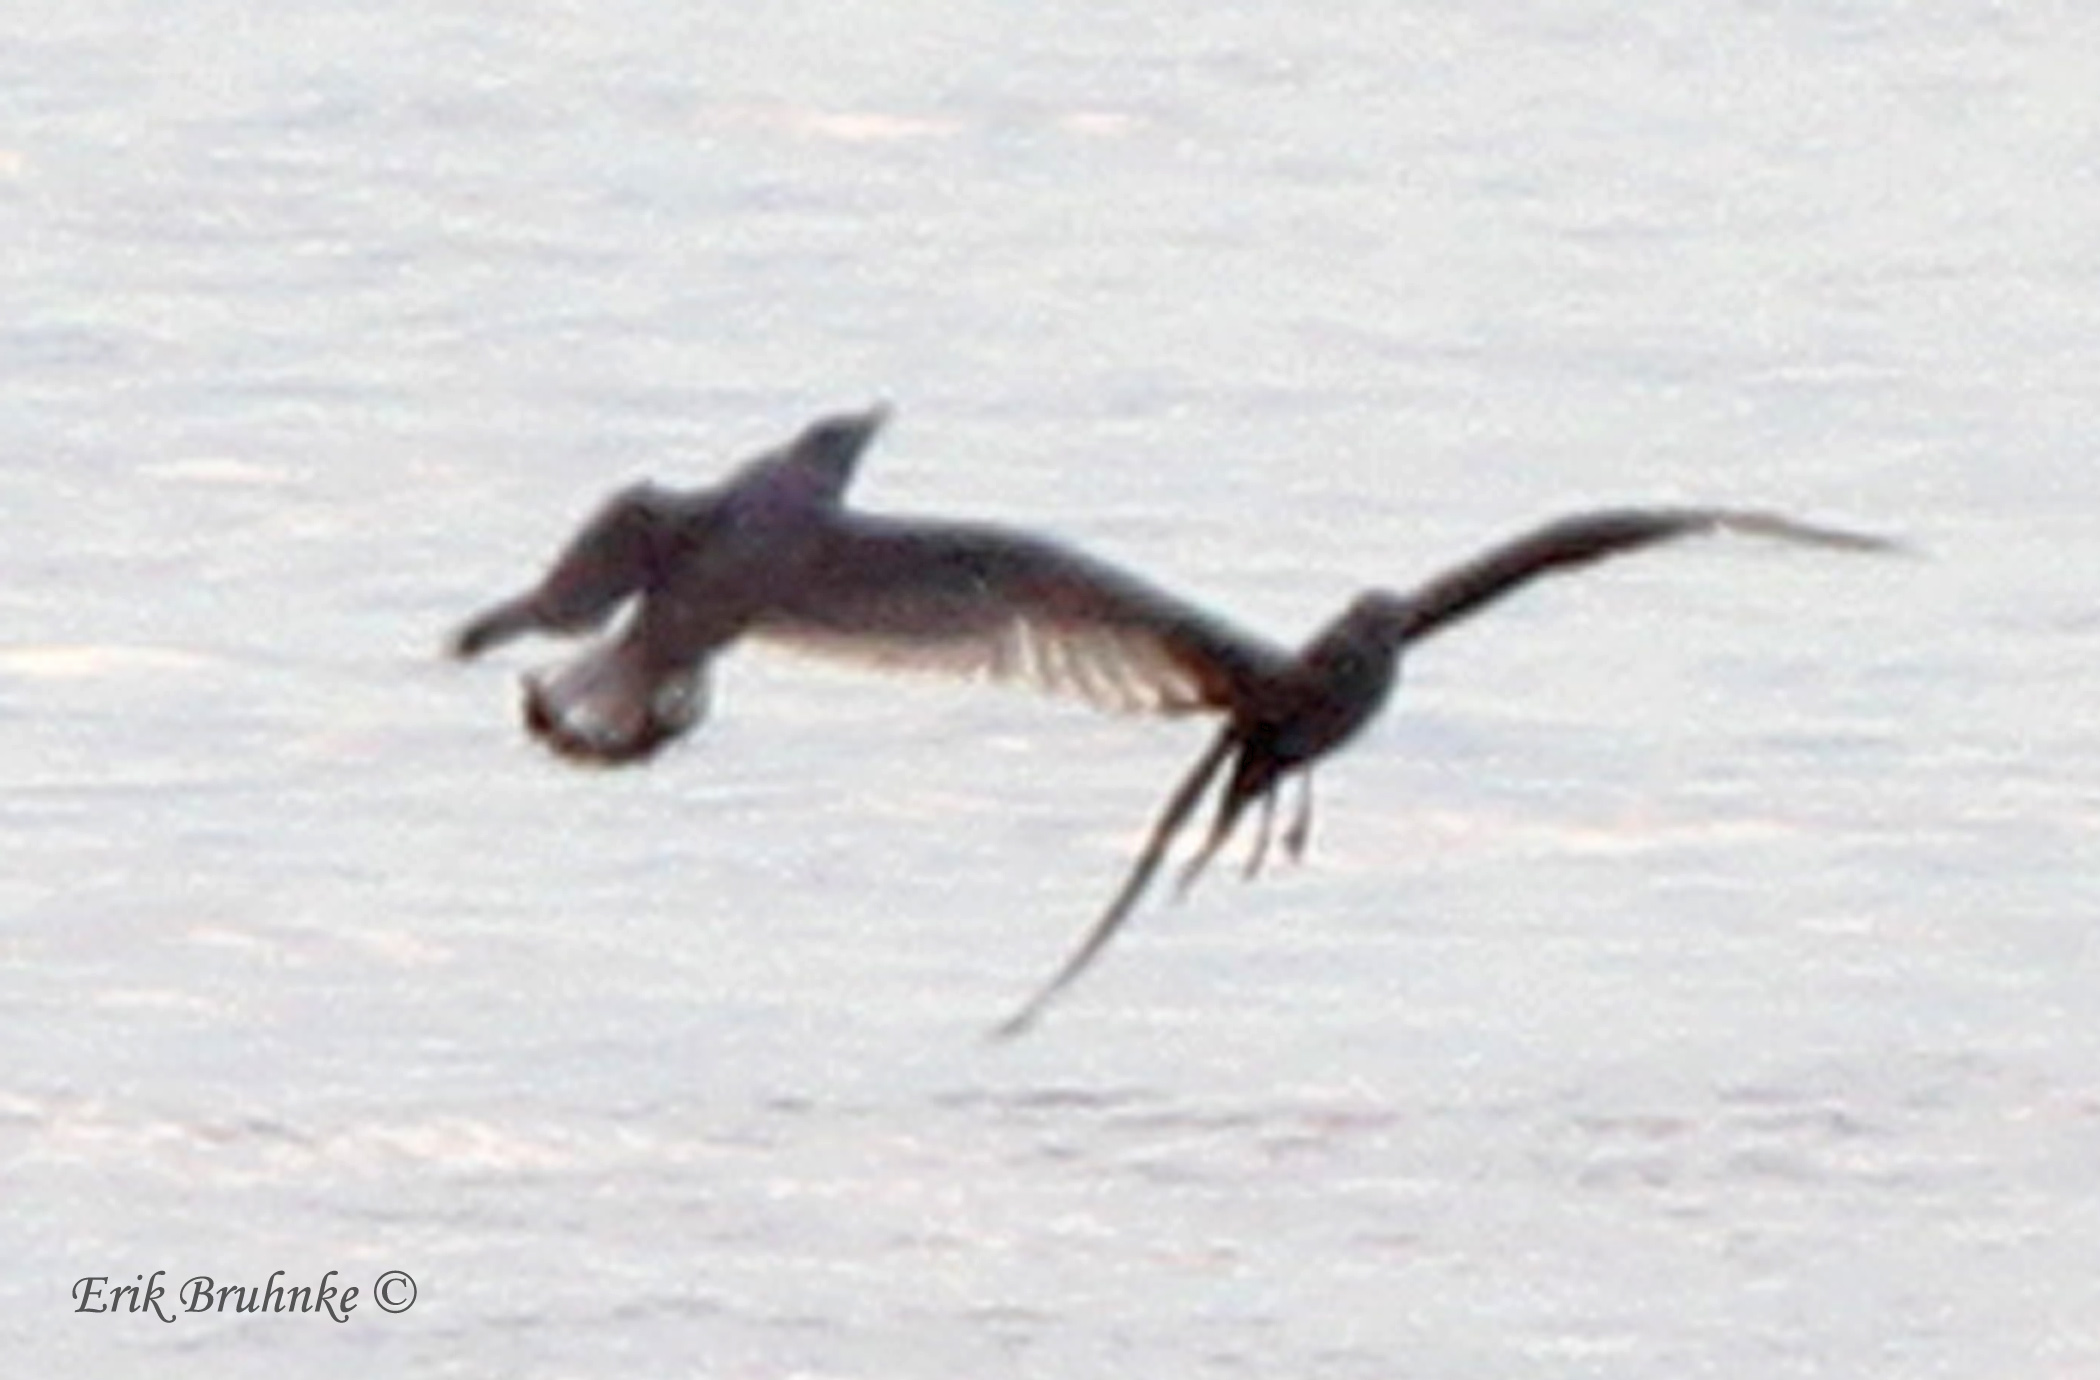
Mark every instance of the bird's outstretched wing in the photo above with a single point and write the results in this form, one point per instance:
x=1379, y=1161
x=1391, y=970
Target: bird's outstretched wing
x=987, y=602
x=1587, y=537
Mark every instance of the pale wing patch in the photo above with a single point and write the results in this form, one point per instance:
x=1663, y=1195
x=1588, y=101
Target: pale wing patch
x=1122, y=670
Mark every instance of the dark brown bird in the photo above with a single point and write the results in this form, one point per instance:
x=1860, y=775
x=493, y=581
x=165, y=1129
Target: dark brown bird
x=1287, y=721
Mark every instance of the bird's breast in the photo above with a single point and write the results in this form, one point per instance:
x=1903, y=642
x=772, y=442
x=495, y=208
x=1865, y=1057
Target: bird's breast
x=1326, y=701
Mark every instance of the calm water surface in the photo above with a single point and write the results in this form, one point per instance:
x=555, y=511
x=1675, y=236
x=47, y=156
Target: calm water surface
x=1694, y=978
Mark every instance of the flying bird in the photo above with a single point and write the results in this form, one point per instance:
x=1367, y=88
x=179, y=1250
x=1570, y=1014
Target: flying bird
x=1345, y=674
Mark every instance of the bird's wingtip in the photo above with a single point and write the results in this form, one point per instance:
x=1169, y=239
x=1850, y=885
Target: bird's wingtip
x=1759, y=522
x=1012, y=1028
x=873, y=418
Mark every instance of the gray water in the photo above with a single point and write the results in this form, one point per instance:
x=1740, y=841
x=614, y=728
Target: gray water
x=1693, y=975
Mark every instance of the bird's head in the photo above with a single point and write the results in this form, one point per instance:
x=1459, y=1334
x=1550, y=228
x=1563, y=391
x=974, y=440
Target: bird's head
x=1379, y=620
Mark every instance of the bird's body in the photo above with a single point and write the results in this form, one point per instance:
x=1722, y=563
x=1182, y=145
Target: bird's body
x=1337, y=684
x=774, y=553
